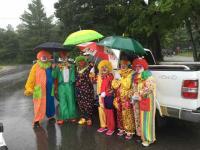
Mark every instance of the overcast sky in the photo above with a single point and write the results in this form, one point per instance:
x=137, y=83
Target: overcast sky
x=11, y=10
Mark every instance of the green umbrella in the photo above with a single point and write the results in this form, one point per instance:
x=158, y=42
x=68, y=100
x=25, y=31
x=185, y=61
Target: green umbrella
x=82, y=36
x=122, y=43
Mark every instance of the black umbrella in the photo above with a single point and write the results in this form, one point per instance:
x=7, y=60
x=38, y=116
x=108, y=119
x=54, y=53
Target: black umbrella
x=51, y=47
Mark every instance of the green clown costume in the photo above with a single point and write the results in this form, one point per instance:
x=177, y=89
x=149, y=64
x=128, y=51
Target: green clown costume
x=65, y=75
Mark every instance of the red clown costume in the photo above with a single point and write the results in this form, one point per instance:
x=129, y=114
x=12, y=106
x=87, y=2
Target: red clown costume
x=105, y=92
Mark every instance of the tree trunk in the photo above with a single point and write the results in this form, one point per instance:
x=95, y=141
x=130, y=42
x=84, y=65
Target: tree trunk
x=154, y=45
x=189, y=28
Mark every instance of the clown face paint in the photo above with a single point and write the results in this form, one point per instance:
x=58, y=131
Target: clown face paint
x=104, y=70
x=62, y=59
x=44, y=59
x=139, y=68
x=82, y=64
x=124, y=66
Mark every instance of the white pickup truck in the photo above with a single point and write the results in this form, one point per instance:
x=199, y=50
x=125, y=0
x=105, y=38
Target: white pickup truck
x=178, y=93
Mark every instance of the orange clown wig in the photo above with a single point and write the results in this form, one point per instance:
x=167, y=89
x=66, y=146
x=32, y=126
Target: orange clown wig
x=43, y=53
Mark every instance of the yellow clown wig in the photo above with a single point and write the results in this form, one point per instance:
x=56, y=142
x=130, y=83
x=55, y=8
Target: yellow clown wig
x=105, y=63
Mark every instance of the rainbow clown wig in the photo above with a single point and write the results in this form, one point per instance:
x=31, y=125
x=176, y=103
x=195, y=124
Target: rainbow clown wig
x=42, y=53
x=140, y=62
x=105, y=63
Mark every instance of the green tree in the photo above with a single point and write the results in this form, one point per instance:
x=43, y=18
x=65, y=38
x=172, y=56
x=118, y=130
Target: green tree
x=9, y=45
x=35, y=29
x=150, y=23
x=84, y=14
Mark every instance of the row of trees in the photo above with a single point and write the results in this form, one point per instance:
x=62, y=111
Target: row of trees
x=161, y=23
x=16, y=46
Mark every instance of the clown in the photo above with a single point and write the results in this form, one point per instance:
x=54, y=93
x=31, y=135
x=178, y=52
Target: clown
x=65, y=75
x=144, y=101
x=40, y=85
x=105, y=92
x=84, y=90
x=122, y=85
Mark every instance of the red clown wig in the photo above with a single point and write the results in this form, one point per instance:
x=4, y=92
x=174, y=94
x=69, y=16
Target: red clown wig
x=43, y=53
x=63, y=54
x=141, y=62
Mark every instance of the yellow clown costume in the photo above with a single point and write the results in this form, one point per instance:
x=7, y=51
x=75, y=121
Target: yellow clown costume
x=122, y=102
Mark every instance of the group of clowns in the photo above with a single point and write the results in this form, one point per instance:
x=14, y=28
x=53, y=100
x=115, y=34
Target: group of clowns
x=126, y=97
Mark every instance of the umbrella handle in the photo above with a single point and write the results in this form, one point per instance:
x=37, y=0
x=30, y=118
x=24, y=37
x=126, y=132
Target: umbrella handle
x=54, y=57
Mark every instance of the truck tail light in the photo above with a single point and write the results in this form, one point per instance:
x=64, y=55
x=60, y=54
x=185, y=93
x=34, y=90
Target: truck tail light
x=190, y=89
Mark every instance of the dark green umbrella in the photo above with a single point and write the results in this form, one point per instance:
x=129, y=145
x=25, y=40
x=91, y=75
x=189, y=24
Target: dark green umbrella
x=122, y=43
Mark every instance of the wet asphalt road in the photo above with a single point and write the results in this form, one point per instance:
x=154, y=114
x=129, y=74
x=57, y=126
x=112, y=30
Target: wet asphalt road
x=16, y=113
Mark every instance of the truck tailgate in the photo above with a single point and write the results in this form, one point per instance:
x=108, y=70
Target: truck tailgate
x=169, y=88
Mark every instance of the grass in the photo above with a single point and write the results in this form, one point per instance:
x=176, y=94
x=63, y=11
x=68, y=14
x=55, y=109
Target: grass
x=186, y=54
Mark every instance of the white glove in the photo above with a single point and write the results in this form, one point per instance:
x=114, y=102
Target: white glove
x=92, y=70
x=103, y=94
x=117, y=76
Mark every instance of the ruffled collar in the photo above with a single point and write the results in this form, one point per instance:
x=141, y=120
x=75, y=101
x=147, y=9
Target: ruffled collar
x=125, y=72
x=142, y=76
x=44, y=65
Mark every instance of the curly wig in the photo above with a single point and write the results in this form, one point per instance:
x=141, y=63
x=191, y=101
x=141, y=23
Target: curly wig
x=80, y=58
x=63, y=54
x=43, y=53
x=105, y=63
x=140, y=61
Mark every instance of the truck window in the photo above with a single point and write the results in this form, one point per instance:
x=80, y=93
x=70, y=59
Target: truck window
x=149, y=58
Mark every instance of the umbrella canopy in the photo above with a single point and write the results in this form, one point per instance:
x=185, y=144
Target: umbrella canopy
x=122, y=43
x=82, y=36
x=51, y=46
